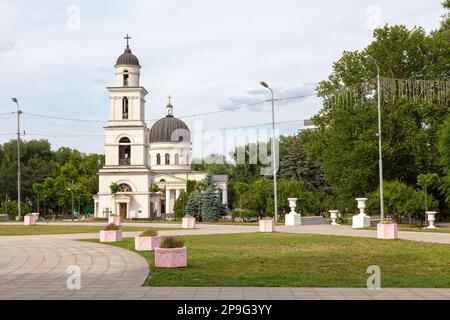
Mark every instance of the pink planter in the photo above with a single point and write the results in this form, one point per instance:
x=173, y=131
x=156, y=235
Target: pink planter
x=110, y=236
x=267, y=225
x=188, y=223
x=170, y=257
x=114, y=219
x=146, y=243
x=29, y=220
x=387, y=231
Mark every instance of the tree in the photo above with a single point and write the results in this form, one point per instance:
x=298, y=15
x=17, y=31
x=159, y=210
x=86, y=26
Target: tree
x=425, y=181
x=211, y=207
x=180, y=204
x=444, y=151
x=193, y=206
x=346, y=138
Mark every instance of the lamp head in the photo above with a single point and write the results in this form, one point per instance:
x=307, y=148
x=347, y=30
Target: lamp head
x=265, y=85
x=14, y=99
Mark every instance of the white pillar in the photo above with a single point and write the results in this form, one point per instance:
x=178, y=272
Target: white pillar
x=168, y=201
x=224, y=196
x=177, y=194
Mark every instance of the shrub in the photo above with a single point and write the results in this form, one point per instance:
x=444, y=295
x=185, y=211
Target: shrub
x=172, y=242
x=149, y=232
x=111, y=227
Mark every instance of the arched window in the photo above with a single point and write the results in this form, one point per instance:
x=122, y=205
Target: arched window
x=125, y=78
x=124, y=151
x=123, y=187
x=124, y=108
x=177, y=158
x=158, y=159
x=167, y=158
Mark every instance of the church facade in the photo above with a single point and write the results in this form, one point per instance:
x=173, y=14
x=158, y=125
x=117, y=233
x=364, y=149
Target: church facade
x=138, y=158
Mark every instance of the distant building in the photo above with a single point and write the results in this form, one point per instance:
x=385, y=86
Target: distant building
x=308, y=124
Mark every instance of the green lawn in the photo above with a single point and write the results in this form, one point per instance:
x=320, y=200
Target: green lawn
x=16, y=230
x=299, y=260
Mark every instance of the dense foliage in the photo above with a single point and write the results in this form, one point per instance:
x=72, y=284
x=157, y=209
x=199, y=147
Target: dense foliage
x=50, y=179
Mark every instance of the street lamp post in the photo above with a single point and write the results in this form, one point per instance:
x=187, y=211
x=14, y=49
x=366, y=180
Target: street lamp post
x=71, y=193
x=19, y=205
x=380, y=158
x=275, y=196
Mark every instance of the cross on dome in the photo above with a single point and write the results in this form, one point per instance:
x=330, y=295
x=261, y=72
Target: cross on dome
x=127, y=37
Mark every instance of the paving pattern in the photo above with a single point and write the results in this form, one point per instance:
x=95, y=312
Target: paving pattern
x=36, y=267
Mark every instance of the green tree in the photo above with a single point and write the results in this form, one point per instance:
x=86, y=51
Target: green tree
x=426, y=181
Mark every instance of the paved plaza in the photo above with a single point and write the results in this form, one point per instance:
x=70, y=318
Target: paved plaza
x=36, y=267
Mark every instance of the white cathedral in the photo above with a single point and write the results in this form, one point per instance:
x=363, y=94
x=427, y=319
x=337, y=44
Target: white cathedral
x=137, y=157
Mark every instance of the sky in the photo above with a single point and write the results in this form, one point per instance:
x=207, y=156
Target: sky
x=57, y=57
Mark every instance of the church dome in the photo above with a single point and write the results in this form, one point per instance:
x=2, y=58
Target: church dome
x=163, y=129
x=127, y=58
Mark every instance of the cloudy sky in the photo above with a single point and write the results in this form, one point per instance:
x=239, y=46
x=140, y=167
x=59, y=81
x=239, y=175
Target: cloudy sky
x=57, y=56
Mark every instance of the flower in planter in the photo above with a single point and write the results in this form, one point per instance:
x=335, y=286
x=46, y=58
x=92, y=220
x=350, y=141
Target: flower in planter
x=172, y=242
x=112, y=227
x=149, y=232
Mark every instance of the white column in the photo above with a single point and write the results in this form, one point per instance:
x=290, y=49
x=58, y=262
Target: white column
x=224, y=196
x=177, y=194
x=168, y=201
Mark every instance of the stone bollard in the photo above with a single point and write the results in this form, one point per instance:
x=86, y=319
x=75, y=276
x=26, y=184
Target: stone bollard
x=361, y=220
x=293, y=218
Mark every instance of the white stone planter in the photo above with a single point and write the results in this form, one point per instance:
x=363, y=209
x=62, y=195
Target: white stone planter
x=146, y=243
x=293, y=218
x=110, y=235
x=431, y=218
x=188, y=222
x=334, y=216
x=267, y=225
x=29, y=220
x=115, y=220
x=361, y=220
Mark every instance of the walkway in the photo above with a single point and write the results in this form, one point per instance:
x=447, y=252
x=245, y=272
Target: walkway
x=35, y=267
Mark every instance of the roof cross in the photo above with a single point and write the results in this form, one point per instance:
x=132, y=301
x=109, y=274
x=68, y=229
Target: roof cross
x=169, y=97
x=127, y=38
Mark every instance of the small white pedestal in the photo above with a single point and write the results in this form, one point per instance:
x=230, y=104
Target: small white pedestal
x=292, y=219
x=361, y=221
x=431, y=218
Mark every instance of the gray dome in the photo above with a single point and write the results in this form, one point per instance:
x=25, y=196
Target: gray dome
x=163, y=129
x=127, y=58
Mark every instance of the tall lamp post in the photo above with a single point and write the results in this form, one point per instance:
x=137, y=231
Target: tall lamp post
x=380, y=158
x=19, y=204
x=275, y=197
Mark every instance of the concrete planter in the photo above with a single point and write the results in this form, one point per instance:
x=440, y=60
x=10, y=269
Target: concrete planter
x=188, y=222
x=267, y=225
x=146, y=243
x=431, y=218
x=110, y=235
x=114, y=219
x=170, y=257
x=29, y=220
x=387, y=231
